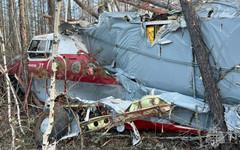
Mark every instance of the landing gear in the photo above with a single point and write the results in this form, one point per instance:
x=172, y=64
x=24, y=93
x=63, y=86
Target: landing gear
x=60, y=126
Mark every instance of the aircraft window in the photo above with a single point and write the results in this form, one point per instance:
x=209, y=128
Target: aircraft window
x=42, y=45
x=151, y=31
x=34, y=45
x=39, y=55
x=39, y=49
x=153, y=27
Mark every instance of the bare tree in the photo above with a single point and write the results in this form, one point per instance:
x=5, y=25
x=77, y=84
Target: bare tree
x=53, y=78
x=44, y=20
x=12, y=32
x=69, y=9
x=211, y=89
x=23, y=41
x=41, y=24
x=2, y=17
x=30, y=18
x=38, y=18
x=51, y=10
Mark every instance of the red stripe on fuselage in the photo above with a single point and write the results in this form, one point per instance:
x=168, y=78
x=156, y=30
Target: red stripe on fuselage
x=91, y=71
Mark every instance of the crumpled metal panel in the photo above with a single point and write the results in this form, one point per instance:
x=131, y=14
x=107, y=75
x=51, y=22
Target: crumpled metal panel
x=170, y=66
x=125, y=45
x=83, y=90
x=118, y=105
x=185, y=107
x=185, y=101
x=220, y=9
x=165, y=68
x=221, y=37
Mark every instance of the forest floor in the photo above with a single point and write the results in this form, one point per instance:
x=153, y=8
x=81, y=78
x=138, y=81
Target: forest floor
x=113, y=140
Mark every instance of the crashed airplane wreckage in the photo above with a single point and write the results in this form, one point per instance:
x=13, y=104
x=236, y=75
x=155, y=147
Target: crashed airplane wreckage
x=126, y=58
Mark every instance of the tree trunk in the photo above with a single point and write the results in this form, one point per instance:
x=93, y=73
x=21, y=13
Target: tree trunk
x=30, y=19
x=23, y=33
x=117, y=5
x=2, y=19
x=40, y=17
x=35, y=17
x=211, y=89
x=69, y=10
x=17, y=40
x=51, y=10
x=12, y=39
x=44, y=20
x=53, y=78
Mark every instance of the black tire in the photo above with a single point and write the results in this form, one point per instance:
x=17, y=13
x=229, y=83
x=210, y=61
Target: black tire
x=60, y=126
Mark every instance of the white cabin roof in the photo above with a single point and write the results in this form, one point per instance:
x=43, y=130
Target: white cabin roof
x=68, y=44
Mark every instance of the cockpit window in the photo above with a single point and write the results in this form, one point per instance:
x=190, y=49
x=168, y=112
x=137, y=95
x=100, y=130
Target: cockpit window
x=40, y=49
x=42, y=46
x=34, y=45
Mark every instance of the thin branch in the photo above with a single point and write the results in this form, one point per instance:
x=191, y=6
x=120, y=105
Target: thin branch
x=228, y=71
x=15, y=98
x=88, y=9
x=162, y=4
x=26, y=96
x=62, y=20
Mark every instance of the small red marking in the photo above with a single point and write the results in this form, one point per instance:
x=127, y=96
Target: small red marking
x=143, y=124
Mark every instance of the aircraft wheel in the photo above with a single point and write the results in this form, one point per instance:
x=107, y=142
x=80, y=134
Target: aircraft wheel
x=60, y=126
